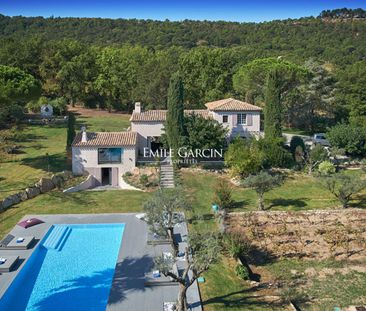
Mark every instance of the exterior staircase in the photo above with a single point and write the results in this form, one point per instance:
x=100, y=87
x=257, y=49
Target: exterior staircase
x=166, y=174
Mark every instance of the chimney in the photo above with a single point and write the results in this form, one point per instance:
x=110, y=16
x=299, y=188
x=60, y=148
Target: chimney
x=137, y=107
x=84, y=138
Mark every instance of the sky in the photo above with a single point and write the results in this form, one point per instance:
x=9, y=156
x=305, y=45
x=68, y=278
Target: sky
x=229, y=10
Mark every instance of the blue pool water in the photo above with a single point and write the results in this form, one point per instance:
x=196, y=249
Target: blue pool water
x=75, y=276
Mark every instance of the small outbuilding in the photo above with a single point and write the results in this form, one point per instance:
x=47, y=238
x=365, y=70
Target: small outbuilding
x=105, y=155
x=46, y=111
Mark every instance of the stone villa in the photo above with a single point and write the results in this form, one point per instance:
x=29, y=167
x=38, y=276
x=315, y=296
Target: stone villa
x=108, y=155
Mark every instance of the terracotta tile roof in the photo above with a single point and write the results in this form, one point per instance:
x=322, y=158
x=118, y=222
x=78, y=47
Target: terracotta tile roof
x=160, y=115
x=231, y=104
x=106, y=139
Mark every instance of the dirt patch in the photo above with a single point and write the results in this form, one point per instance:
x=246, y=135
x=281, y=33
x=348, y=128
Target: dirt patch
x=95, y=112
x=339, y=234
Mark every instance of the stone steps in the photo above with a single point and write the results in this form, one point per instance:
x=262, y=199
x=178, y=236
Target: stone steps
x=167, y=175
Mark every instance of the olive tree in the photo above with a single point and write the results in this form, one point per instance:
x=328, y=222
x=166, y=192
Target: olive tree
x=344, y=186
x=314, y=156
x=262, y=183
x=163, y=212
x=202, y=250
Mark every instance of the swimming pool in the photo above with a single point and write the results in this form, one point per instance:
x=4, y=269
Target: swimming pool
x=71, y=269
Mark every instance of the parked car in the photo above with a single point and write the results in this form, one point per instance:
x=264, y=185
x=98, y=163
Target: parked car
x=319, y=138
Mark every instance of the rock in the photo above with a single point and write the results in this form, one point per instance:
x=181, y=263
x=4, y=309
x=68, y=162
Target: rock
x=57, y=180
x=45, y=185
x=11, y=200
x=23, y=195
x=254, y=283
x=66, y=175
x=32, y=192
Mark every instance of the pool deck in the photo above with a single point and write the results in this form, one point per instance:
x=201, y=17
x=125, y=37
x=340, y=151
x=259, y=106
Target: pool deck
x=135, y=259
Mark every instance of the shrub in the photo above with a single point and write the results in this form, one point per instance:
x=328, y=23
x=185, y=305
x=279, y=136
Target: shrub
x=237, y=245
x=223, y=194
x=154, y=182
x=326, y=168
x=296, y=141
x=242, y=272
x=59, y=105
x=128, y=174
x=144, y=180
x=348, y=137
x=244, y=157
x=275, y=155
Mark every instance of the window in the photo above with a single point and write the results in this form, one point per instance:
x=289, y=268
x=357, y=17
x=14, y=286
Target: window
x=242, y=118
x=224, y=119
x=109, y=155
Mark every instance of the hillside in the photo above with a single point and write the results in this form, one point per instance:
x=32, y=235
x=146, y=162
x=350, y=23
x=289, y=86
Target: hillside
x=306, y=37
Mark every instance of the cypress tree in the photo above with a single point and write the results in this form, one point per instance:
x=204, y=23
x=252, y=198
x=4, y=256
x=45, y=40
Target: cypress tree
x=70, y=130
x=273, y=106
x=174, y=126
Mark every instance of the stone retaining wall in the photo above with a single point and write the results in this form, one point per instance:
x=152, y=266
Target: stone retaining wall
x=89, y=183
x=322, y=234
x=42, y=186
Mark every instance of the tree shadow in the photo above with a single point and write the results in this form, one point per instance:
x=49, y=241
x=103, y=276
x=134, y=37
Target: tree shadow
x=359, y=201
x=259, y=256
x=30, y=137
x=201, y=217
x=75, y=199
x=36, y=146
x=52, y=163
x=299, y=203
x=129, y=276
x=91, y=292
x=230, y=301
x=239, y=204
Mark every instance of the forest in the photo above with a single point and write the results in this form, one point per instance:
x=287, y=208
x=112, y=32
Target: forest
x=110, y=64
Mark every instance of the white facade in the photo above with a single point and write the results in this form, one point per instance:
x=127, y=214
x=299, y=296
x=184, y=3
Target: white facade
x=85, y=159
x=250, y=126
x=146, y=130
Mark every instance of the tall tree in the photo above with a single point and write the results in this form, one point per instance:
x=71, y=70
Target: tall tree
x=273, y=106
x=249, y=79
x=70, y=130
x=174, y=125
x=318, y=96
x=351, y=92
x=16, y=89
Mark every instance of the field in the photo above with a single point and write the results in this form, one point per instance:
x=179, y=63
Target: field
x=222, y=289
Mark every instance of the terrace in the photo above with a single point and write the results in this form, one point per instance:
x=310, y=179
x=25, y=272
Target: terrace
x=129, y=290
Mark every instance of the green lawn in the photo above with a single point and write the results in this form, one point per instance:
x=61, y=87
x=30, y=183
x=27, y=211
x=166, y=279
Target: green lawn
x=333, y=281
x=56, y=202
x=32, y=162
x=224, y=290
x=105, y=123
x=299, y=192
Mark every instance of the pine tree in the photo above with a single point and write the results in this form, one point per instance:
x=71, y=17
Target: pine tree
x=70, y=130
x=273, y=106
x=174, y=126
